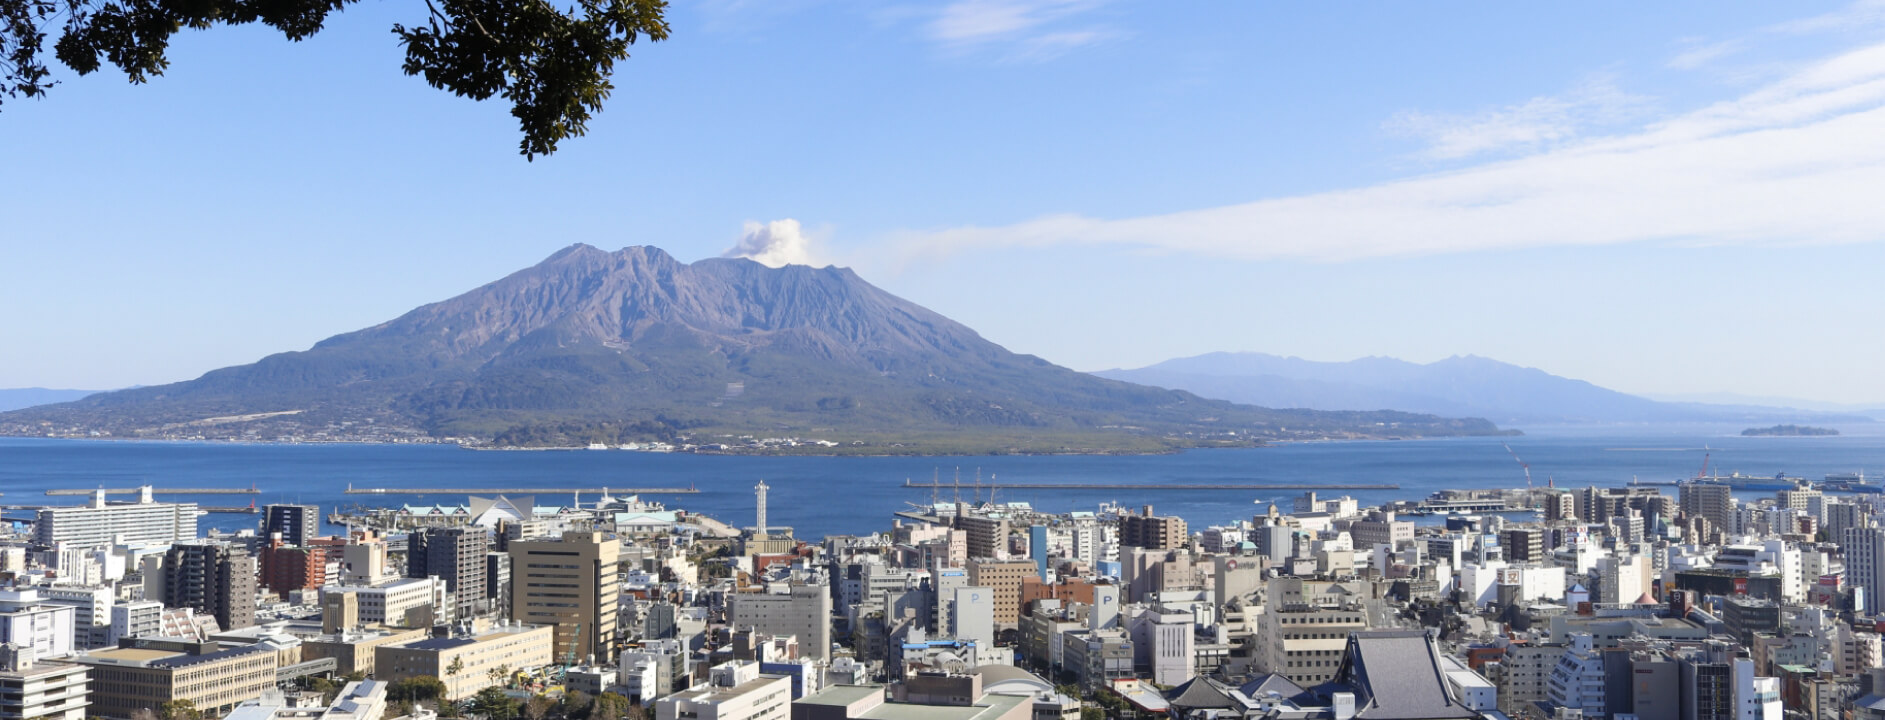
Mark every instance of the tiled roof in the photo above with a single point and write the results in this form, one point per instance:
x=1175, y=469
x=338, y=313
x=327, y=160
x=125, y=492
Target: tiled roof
x=1396, y=675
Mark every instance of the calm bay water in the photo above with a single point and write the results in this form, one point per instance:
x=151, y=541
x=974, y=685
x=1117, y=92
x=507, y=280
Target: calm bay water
x=819, y=496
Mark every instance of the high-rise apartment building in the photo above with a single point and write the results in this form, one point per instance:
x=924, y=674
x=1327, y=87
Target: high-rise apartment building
x=987, y=534
x=102, y=523
x=1865, y=550
x=1153, y=532
x=286, y=568
x=1714, y=502
x=1525, y=545
x=213, y=578
x=570, y=583
x=456, y=555
x=298, y=524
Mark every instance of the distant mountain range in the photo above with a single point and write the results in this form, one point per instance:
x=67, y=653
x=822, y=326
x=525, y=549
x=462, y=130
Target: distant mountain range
x=611, y=347
x=16, y=398
x=1457, y=386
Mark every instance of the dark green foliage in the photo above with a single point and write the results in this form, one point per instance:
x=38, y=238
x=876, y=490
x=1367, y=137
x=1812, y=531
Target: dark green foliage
x=576, y=705
x=422, y=687
x=552, y=62
x=492, y=703
x=179, y=710
x=611, y=706
x=328, y=689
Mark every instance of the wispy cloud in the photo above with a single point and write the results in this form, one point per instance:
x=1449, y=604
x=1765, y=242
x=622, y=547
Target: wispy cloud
x=1859, y=15
x=1535, y=124
x=1697, y=53
x=1798, y=160
x=1028, y=30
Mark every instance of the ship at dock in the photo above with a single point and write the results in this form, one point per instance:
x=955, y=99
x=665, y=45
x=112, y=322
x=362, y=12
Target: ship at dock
x=1738, y=481
x=1851, y=482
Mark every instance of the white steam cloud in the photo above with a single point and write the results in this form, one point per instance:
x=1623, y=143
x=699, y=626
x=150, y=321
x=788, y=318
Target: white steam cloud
x=775, y=244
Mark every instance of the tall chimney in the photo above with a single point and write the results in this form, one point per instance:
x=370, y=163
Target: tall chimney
x=759, y=516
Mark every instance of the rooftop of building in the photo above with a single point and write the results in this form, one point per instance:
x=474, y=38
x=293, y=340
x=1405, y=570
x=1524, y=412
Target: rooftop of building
x=989, y=706
x=1397, y=675
x=129, y=656
x=842, y=695
x=457, y=641
x=41, y=669
x=714, y=693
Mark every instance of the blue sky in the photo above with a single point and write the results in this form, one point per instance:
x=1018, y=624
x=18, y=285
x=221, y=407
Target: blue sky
x=1682, y=198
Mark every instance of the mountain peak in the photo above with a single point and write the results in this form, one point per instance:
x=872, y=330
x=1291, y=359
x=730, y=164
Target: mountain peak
x=595, y=346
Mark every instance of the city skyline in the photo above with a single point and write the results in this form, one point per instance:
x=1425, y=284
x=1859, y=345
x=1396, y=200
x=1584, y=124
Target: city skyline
x=1148, y=184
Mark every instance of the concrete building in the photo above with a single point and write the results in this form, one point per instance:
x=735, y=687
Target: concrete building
x=1523, y=675
x=802, y=610
x=213, y=578
x=1163, y=641
x=733, y=691
x=298, y=525
x=1708, y=683
x=1304, y=642
x=34, y=689
x=127, y=679
x=1096, y=658
x=1525, y=545
x=1380, y=528
x=570, y=583
x=869, y=702
x=286, y=568
x=1003, y=578
x=138, y=618
x=1578, y=679
x=1152, y=532
x=516, y=647
x=102, y=523
x=1712, y=502
x=972, y=616
x=91, y=611
x=1624, y=578
x=652, y=670
x=1865, y=566
x=405, y=602
x=987, y=535
x=457, y=556
x=27, y=621
x=357, y=700
x=356, y=650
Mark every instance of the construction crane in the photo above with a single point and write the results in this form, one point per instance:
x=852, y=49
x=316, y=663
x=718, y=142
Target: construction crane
x=1702, y=473
x=1521, y=463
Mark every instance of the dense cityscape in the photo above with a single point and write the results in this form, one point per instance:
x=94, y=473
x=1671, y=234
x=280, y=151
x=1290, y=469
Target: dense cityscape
x=1732, y=599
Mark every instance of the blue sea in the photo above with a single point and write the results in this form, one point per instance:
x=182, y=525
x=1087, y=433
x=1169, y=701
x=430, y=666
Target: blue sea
x=826, y=495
